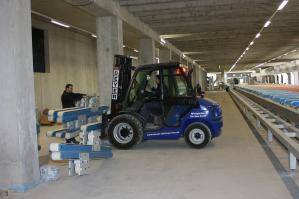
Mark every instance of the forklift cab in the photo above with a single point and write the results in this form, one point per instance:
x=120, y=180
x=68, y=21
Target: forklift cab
x=160, y=94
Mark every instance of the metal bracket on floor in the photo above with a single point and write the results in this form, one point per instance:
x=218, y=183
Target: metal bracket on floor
x=79, y=166
x=3, y=193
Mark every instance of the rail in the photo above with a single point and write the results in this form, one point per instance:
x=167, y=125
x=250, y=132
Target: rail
x=276, y=127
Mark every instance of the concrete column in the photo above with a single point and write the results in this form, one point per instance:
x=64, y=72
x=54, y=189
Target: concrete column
x=109, y=43
x=203, y=79
x=164, y=55
x=19, y=168
x=157, y=56
x=146, y=51
x=289, y=78
x=280, y=79
x=296, y=78
x=276, y=79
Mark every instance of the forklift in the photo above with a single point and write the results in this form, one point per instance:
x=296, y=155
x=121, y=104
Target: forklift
x=158, y=103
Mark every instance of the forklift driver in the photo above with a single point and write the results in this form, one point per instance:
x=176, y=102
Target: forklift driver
x=157, y=91
x=153, y=107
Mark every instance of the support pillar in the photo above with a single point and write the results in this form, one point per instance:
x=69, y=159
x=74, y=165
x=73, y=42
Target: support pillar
x=276, y=79
x=296, y=78
x=164, y=55
x=279, y=79
x=292, y=161
x=270, y=136
x=146, y=51
x=19, y=167
x=109, y=43
x=289, y=78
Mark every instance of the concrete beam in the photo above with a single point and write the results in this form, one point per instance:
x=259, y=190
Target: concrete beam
x=206, y=11
x=19, y=168
x=113, y=8
x=136, y=6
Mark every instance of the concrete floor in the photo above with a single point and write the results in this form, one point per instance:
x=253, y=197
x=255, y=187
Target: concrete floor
x=232, y=166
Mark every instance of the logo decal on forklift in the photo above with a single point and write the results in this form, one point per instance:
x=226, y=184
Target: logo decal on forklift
x=115, y=80
x=199, y=114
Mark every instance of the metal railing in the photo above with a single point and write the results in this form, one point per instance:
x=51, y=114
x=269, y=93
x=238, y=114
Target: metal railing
x=276, y=127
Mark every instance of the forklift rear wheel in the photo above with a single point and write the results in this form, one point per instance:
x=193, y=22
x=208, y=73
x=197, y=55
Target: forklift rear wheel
x=124, y=131
x=197, y=135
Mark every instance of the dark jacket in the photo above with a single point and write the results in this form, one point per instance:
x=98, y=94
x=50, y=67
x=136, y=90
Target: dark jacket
x=158, y=92
x=68, y=100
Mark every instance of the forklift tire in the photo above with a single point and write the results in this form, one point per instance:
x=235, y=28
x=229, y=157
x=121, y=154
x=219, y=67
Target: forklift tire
x=198, y=135
x=124, y=131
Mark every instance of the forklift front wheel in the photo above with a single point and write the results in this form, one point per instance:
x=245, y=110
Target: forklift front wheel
x=197, y=135
x=124, y=131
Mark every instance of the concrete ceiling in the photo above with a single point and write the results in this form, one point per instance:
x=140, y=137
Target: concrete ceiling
x=218, y=31
x=74, y=15
x=214, y=32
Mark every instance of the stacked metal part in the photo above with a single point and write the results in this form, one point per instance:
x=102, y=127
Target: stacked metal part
x=82, y=122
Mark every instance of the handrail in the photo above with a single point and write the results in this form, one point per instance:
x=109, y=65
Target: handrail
x=273, y=129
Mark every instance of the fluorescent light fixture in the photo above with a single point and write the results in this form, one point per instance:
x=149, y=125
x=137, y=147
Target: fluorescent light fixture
x=232, y=67
x=184, y=55
x=163, y=41
x=93, y=35
x=267, y=24
x=124, y=46
x=258, y=35
x=282, y=5
x=247, y=48
x=132, y=57
x=59, y=23
x=260, y=65
x=135, y=50
x=251, y=43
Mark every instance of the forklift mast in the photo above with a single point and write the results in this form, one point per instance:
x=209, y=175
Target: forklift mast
x=120, y=81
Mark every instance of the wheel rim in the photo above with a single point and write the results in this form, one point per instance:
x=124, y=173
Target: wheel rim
x=123, y=133
x=197, y=136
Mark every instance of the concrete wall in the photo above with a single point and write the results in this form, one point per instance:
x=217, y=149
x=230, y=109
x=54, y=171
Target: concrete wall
x=72, y=59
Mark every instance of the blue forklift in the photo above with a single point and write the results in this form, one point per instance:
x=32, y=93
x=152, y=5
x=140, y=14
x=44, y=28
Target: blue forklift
x=159, y=102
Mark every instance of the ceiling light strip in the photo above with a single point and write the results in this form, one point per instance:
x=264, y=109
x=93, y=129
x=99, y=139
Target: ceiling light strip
x=266, y=25
x=273, y=59
x=58, y=22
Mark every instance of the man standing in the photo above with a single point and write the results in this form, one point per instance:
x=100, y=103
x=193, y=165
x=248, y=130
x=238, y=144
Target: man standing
x=68, y=100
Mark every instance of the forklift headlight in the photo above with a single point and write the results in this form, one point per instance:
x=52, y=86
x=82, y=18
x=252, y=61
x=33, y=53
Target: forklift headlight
x=217, y=112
